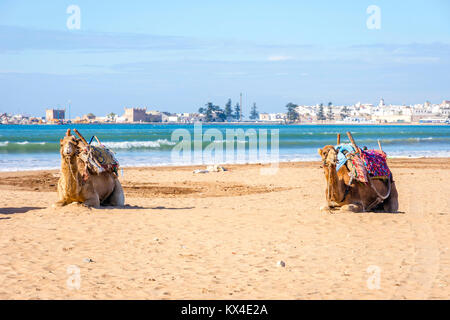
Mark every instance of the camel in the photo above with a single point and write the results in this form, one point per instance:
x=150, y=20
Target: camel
x=73, y=186
x=355, y=196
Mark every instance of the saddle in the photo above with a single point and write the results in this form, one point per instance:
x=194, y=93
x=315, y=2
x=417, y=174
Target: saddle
x=363, y=164
x=99, y=159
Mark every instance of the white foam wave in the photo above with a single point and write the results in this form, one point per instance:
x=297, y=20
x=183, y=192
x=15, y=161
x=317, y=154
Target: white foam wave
x=49, y=162
x=6, y=143
x=139, y=144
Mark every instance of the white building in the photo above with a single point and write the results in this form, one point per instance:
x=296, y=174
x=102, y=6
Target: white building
x=272, y=117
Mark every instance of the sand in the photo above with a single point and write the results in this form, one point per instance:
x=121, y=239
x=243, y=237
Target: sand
x=220, y=236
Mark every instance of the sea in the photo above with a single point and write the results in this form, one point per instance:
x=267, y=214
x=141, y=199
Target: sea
x=36, y=147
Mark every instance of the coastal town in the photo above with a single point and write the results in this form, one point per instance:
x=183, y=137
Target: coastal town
x=359, y=113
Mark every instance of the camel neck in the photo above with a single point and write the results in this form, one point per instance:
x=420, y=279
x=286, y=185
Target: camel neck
x=70, y=169
x=334, y=185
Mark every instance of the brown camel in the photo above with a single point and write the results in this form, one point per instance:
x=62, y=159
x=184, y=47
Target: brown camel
x=75, y=185
x=353, y=195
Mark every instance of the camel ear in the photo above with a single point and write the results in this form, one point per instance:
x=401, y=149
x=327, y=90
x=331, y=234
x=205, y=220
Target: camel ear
x=68, y=133
x=320, y=152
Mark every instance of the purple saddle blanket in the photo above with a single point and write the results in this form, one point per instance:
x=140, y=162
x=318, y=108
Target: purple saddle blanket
x=375, y=163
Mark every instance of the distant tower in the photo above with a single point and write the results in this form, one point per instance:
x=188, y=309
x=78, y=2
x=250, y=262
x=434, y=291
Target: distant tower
x=381, y=104
x=240, y=116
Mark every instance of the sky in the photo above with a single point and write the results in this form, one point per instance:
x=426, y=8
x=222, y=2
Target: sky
x=178, y=55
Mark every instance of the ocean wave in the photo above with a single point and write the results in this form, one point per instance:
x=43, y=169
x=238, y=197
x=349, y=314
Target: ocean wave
x=206, y=142
x=27, y=142
x=51, y=161
x=20, y=143
x=139, y=144
x=422, y=139
x=413, y=139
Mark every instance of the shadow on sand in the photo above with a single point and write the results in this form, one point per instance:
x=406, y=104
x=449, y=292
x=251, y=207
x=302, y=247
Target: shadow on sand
x=165, y=208
x=18, y=210
x=129, y=207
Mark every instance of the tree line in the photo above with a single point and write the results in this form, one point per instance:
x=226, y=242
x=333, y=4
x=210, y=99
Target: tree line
x=292, y=114
x=214, y=113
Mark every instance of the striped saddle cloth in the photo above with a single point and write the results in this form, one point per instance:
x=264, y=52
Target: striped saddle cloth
x=99, y=159
x=363, y=163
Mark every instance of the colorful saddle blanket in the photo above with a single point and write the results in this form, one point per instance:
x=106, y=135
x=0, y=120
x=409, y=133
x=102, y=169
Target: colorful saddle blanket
x=99, y=159
x=375, y=163
x=362, y=163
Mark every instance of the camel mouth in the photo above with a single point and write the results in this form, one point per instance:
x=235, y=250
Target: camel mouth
x=68, y=153
x=328, y=154
x=68, y=149
x=330, y=158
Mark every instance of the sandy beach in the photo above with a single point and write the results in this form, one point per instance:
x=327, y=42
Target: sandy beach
x=220, y=236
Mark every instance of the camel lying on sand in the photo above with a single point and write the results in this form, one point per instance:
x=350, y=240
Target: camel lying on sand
x=353, y=195
x=75, y=185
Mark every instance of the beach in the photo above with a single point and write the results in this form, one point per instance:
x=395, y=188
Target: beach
x=222, y=235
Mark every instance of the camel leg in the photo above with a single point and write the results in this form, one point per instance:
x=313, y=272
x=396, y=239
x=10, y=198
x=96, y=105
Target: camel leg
x=117, y=197
x=330, y=205
x=352, y=208
x=391, y=203
x=93, y=201
x=59, y=204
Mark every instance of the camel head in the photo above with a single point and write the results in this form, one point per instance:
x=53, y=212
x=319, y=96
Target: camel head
x=69, y=145
x=329, y=155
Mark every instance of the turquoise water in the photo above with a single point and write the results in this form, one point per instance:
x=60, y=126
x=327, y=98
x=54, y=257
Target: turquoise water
x=37, y=146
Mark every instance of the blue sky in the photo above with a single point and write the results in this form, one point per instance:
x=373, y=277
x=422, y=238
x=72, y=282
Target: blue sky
x=177, y=55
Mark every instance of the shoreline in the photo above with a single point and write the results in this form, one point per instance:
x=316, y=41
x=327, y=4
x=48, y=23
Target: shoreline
x=394, y=160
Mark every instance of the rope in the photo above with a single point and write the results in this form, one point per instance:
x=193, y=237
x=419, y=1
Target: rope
x=378, y=194
x=380, y=198
x=69, y=162
x=329, y=184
